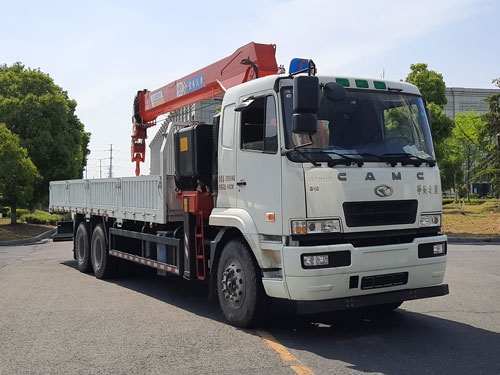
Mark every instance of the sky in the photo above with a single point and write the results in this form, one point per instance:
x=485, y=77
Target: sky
x=103, y=52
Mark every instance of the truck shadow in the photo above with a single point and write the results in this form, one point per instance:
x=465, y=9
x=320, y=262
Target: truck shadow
x=191, y=296
x=399, y=342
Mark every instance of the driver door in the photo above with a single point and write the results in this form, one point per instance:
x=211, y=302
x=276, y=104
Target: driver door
x=258, y=172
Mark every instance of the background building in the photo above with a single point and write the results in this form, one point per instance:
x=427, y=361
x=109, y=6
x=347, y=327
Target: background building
x=462, y=99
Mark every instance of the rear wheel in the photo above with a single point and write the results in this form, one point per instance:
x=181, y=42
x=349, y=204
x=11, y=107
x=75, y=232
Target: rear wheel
x=239, y=287
x=101, y=262
x=82, y=248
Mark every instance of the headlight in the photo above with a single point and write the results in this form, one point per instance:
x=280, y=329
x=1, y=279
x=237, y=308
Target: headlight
x=331, y=259
x=315, y=226
x=430, y=220
x=315, y=260
x=439, y=249
x=431, y=250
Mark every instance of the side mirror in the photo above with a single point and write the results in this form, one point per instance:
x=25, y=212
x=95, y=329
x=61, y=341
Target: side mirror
x=305, y=104
x=304, y=123
x=305, y=94
x=334, y=92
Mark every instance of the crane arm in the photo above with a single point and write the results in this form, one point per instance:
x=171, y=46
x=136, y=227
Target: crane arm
x=246, y=63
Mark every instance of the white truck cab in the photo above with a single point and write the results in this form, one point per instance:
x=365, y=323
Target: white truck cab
x=349, y=207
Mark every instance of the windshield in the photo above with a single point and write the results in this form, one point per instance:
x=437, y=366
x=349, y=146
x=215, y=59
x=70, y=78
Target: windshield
x=367, y=125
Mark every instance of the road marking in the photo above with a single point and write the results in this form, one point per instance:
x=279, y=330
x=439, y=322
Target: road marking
x=288, y=358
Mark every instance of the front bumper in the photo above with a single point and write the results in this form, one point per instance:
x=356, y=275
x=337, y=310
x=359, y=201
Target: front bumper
x=355, y=302
x=376, y=275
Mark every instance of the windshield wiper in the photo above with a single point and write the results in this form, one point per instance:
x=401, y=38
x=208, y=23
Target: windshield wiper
x=346, y=160
x=297, y=148
x=368, y=155
x=408, y=159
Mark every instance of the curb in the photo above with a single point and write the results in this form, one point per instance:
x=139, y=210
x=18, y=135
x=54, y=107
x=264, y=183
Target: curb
x=28, y=241
x=474, y=239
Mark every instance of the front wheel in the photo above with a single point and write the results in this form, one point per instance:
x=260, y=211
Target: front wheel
x=239, y=286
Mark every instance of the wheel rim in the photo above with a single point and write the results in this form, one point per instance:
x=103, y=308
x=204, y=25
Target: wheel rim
x=81, y=249
x=97, y=254
x=233, y=286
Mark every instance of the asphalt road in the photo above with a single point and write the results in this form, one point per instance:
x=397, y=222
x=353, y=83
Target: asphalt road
x=55, y=320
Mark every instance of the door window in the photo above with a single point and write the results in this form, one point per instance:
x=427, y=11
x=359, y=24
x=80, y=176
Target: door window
x=259, y=126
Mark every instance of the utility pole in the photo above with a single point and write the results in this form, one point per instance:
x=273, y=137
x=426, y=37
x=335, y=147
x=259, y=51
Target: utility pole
x=110, y=175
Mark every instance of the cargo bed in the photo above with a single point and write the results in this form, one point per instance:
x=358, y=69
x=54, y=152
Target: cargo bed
x=142, y=198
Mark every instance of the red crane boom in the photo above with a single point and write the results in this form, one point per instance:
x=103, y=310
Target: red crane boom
x=246, y=63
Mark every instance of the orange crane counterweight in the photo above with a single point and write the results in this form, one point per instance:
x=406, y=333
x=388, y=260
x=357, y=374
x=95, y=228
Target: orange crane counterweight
x=246, y=63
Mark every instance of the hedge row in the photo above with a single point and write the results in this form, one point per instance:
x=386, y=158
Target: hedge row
x=34, y=217
x=42, y=218
x=471, y=201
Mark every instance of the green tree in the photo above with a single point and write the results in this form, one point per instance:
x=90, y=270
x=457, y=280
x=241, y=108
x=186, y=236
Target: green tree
x=433, y=90
x=491, y=137
x=441, y=128
x=18, y=174
x=430, y=83
x=464, y=151
x=42, y=115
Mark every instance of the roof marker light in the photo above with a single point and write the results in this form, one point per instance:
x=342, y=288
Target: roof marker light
x=342, y=81
x=363, y=83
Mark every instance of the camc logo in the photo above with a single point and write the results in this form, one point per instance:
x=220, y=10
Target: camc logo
x=383, y=191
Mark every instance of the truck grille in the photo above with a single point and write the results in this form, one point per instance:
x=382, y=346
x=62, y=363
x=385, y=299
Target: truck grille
x=384, y=281
x=364, y=214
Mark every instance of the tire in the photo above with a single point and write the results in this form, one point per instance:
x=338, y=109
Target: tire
x=82, y=248
x=239, y=286
x=99, y=255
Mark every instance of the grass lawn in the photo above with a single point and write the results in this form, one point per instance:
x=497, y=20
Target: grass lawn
x=19, y=231
x=471, y=220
